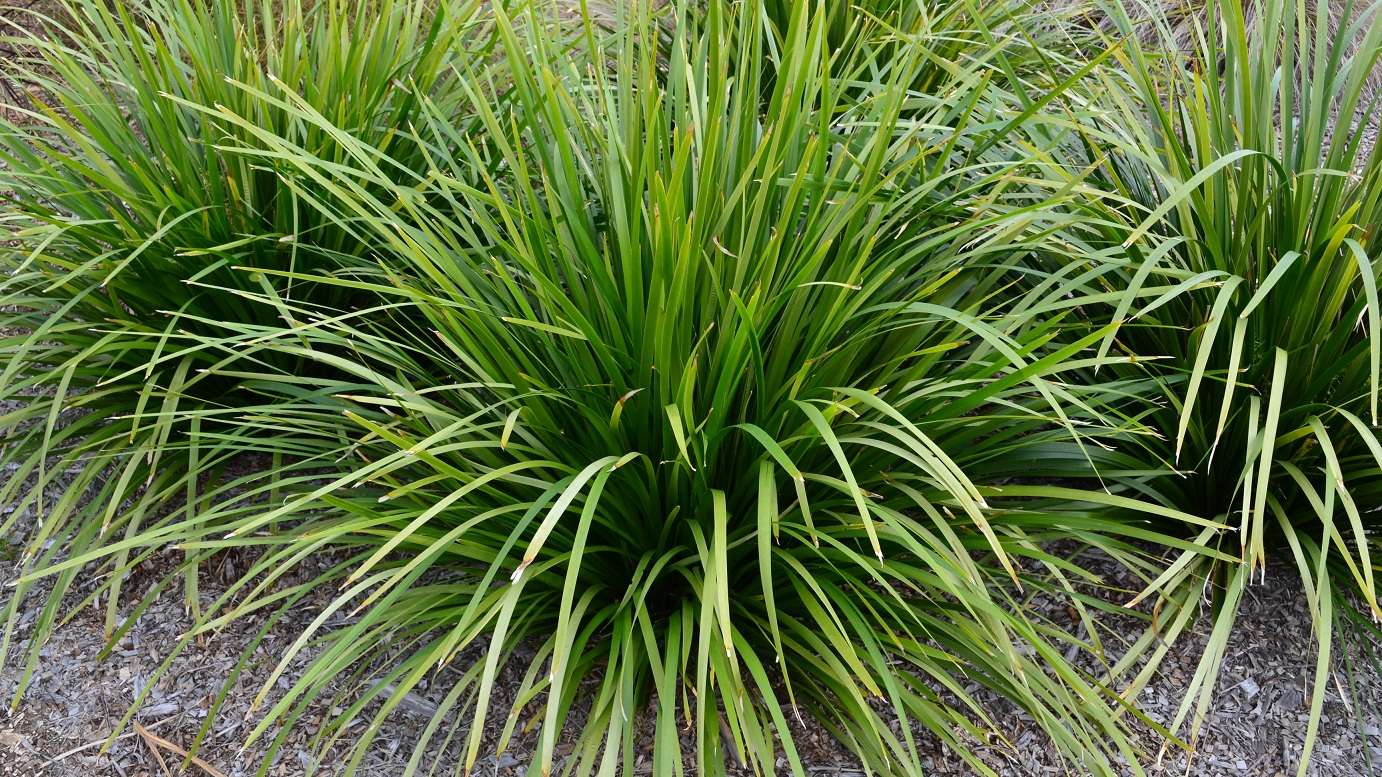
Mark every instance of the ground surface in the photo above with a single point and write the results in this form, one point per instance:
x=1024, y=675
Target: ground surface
x=1255, y=728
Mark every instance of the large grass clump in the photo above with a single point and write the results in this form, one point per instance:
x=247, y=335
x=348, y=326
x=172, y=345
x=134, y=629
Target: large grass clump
x=136, y=235
x=693, y=386
x=1243, y=169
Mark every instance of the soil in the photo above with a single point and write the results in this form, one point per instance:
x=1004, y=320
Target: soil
x=1256, y=725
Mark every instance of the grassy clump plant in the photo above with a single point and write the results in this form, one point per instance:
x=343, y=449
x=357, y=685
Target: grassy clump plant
x=724, y=413
x=1240, y=167
x=136, y=237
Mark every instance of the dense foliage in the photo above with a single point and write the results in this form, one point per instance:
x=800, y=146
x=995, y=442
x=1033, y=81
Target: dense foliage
x=1256, y=182
x=704, y=365
x=137, y=238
